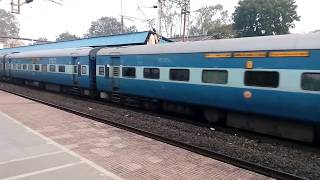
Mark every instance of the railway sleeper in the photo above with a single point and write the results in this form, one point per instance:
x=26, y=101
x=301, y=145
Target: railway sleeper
x=273, y=127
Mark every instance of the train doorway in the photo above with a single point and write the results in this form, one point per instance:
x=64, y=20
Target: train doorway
x=115, y=64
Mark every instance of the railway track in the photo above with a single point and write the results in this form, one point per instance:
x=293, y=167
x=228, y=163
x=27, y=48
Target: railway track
x=218, y=156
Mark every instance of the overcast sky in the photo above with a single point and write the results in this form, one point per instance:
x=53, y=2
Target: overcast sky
x=45, y=19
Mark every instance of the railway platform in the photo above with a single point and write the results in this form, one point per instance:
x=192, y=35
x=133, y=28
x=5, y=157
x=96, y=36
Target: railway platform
x=41, y=142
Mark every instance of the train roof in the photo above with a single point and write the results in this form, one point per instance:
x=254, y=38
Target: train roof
x=137, y=38
x=262, y=43
x=84, y=51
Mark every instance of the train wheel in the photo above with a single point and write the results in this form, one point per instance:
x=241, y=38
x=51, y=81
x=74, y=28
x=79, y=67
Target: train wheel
x=214, y=116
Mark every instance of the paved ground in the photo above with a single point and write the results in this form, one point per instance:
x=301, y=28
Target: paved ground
x=40, y=142
x=25, y=154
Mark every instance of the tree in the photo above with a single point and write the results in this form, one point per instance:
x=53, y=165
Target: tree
x=212, y=21
x=261, y=17
x=41, y=40
x=171, y=14
x=108, y=26
x=169, y=17
x=66, y=36
x=9, y=26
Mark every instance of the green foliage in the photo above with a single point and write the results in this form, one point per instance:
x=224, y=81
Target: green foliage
x=9, y=26
x=41, y=40
x=66, y=36
x=170, y=17
x=264, y=17
x=212, y=21
x=106, y=26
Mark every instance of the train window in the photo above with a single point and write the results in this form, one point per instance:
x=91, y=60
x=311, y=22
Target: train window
x=19, y=66
x=62, y=69
x=179, y=74
x=52, y=68
x=14, y=67
x=106, y=71
x=84, y=70
x=44, y=68
x=310, y=81
x=101, y=71
x=151, y=73
x=261, y=79
x=75, y=69
x=215, y=76
x=129, y=72
x=30, y=67
x=36, y=67
x=24, y=67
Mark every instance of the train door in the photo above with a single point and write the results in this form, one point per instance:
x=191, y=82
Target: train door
x=76, y=71
x=115, y=64
x=9, y=67
x=2, y=66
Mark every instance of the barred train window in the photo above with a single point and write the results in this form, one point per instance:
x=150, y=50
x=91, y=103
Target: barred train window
x=44, y=68
x=75, y=69
x=62, y=69
x=215, y=76
x=30, y=67
x=52, y=68
x=179, y=74
x=310, y=81
x=37, y=67
x=106, y=71
x=262, y=79
x=151, y=73
x=19, y=66
x=24, y=66
x=101, y=71
x=129, y=72
x=84, y=70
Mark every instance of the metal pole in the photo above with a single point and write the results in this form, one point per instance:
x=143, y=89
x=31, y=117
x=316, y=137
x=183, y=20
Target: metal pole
x=122, y=22
x=184, y=25
x=19, y=6
x=185, y=12
x=160, y=15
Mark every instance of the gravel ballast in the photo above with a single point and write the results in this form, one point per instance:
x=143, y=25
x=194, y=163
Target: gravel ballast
x=295, y=158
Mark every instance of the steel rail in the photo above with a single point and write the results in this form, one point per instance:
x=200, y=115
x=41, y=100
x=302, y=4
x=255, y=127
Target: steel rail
x=217, y=156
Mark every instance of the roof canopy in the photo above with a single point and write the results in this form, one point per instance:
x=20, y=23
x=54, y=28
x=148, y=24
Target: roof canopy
x=138, y=38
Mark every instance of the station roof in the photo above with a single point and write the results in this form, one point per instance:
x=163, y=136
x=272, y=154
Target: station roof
x=138, y=38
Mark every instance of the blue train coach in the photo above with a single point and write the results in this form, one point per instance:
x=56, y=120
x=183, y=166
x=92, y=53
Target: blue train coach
x=57, y=70
x=273, y=76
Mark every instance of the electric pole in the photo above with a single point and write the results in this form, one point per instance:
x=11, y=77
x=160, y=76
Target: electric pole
x=16, y=4
x=122, y=20
x=185, y=12
x=160, y=5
